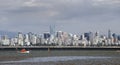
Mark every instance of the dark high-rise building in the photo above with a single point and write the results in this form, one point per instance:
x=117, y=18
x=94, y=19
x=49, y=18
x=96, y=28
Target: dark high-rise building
x=89, y=36
x=86, y=36
x=115, y=37
x=46, y=35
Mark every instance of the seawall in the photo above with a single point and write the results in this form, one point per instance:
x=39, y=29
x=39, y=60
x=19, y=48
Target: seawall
x=59, y=48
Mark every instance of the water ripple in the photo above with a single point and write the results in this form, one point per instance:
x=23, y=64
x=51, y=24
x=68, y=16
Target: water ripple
x=57, y=58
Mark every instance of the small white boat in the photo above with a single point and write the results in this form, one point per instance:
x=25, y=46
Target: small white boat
x=24, y=51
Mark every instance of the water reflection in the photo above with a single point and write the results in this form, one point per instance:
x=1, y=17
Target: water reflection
x=58, y=58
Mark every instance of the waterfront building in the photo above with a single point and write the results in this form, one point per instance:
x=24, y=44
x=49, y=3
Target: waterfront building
x=30, y=37
x=86, y=36
x=5, y=40
x=75, y=40
x=115, y=39
x=26, y=40
x=59, y=35
x=109, y=42
x=46, y=35
x=112, y=41
x=34, y=39
x=83, y=40
x=38, y=40
x=65, y=38
x=103, y=39
x=20, y=39
x=13, y=41
x=91, y=38
x=96, y=39
x=47, y=38
x=61, y=38
x=118, y=37
x=109, y=34
x=82, y=37
x=42, y=41
x=41, y=38
x=59, y=42
x=52, y=35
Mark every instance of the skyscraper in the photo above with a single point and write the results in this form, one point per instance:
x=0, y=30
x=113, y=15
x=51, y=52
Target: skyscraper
x=109, y=34
x=20, y=38
x=86, y=36
x=46, y=35
x=52, y=30
x=91, y=37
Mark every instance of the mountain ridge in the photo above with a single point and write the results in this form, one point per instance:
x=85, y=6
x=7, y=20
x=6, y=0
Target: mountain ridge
x=8, y=33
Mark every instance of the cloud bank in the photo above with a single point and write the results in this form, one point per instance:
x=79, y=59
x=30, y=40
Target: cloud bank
x=74, y=16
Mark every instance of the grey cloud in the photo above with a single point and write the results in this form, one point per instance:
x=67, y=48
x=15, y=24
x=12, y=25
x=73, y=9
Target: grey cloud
x=32, y=15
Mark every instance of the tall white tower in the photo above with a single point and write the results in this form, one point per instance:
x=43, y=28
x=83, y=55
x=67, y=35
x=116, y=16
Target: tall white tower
x=20, y=39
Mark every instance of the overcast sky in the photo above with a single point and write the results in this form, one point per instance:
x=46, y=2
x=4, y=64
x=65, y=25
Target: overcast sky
x=74, y=16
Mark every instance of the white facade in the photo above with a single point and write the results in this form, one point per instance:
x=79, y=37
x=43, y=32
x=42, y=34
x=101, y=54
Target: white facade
x=5, y=42
x=34, y=39
x=20, y=39
x=26, y=40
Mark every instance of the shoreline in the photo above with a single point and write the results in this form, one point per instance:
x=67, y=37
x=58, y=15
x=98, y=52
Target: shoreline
x=60, y=47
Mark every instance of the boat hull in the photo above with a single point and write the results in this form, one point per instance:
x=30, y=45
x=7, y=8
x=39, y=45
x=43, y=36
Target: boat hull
x=25, y=52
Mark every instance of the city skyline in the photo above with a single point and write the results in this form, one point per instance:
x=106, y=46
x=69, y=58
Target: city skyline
x=61, y=38
x=74, y=16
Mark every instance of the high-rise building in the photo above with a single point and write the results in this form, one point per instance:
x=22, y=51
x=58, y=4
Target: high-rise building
x=109, y=34
x=86, y=36
x=20, y=38
x=30, y=37
x=118, y=37
x=91, y=37
x=13, y=41
x=97, y=34
x=96, y=38
x=46, y=35
x=82, y=37
x=5, y=40
x=26, y=39
x=34, y=39
x=114, y=38
x=52, y=30
x=59, y=34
